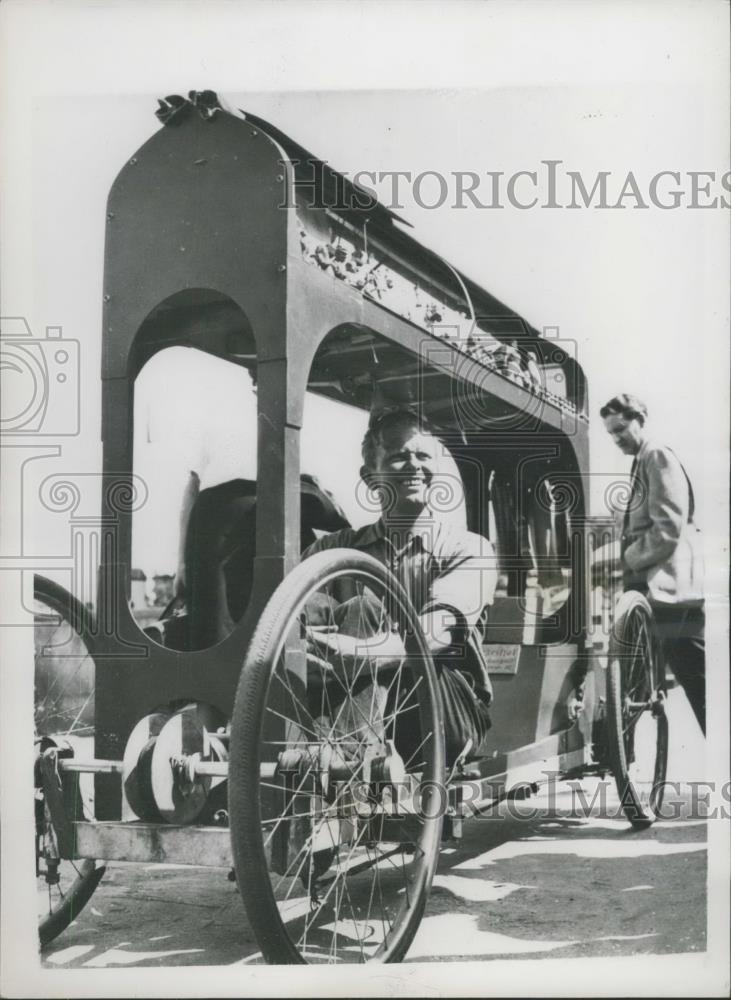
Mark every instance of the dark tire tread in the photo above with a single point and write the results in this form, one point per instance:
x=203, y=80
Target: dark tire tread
x=248, y=851
x=639, y=814
x=78, y=894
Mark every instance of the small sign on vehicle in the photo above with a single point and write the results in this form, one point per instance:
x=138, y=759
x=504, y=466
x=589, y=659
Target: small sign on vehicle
x=502, y=657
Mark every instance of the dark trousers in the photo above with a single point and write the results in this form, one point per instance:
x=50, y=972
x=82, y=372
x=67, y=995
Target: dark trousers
x=682, y=631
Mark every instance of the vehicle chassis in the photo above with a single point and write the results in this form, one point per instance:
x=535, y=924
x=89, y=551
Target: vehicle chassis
x=204, y=249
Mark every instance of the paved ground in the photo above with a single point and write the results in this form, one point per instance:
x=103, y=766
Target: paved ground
x=551, y=885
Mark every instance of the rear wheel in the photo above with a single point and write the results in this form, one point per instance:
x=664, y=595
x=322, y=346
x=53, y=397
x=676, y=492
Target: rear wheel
x=64, y=718
x=636, y=717
x=336, y=778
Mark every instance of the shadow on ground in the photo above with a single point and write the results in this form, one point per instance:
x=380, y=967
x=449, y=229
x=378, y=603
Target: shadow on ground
x=549, y=885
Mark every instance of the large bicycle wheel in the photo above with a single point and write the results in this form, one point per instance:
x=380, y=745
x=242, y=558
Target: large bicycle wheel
x=64, y=718
x=336, y=780
x=636, y=717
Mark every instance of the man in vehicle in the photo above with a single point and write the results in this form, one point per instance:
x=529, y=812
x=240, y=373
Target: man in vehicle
x=448, y=573
x=660, y=545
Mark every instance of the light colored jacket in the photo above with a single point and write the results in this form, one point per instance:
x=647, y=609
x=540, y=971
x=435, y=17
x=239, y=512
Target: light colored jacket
x=661, y=544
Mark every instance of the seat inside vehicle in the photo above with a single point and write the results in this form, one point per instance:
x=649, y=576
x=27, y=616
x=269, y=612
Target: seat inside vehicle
x=217, y=566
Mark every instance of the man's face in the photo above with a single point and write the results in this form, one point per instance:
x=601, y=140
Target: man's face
x=626, y=434
x=406, y=462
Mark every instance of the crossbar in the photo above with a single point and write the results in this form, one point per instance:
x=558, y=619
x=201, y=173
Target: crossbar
x=157, y=843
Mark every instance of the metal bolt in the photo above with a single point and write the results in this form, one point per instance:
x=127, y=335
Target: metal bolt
x=52, y=876
x=110, y=215
x=253, y=133
x=133, y=161
x=282, y=267
x=280, y=178
x=107, y=298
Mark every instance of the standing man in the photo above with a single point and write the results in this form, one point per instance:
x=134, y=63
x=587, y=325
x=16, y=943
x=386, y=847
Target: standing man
x=660, y=545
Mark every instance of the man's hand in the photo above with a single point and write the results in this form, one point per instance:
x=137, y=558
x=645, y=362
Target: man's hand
x=333, y=645
x=349, y=655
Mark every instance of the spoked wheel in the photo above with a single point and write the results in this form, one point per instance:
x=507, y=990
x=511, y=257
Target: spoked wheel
x=336, y=781
x=638, y=724
x=64, y=718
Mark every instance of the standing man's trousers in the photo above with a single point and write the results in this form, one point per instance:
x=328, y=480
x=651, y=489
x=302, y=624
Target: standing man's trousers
x=682, y=630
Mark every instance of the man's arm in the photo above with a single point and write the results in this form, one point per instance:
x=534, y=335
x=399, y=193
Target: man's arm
x=386, y=649
x=457, y=599
x=190, y=495
x=466, y=582
x=668, y=503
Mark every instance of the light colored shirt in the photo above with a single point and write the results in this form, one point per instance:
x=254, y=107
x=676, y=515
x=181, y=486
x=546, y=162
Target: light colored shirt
x=438, y=564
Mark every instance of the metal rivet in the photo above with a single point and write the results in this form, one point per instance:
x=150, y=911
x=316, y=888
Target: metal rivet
x=280, y=178
x=133, y=161
x=110, y=215
x=253, y=133
x=282, y=267
x=107, y=298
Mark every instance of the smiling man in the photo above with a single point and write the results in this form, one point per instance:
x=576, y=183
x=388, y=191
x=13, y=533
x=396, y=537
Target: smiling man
x=448, y=573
